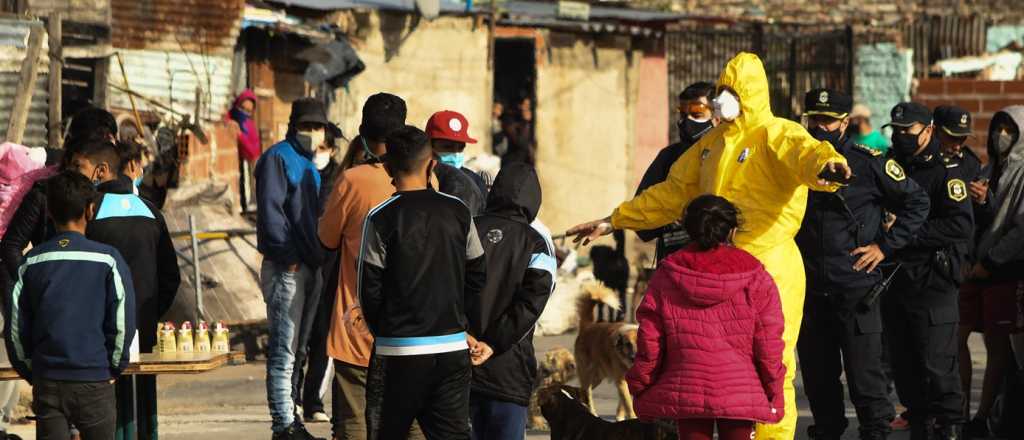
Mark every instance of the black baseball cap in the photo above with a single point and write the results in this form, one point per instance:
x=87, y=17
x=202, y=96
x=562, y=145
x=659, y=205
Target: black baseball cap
x=308, y=110
x=954, y=120
x=827, y=102
x=906, y=114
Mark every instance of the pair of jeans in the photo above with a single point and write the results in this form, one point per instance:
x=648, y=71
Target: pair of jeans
x=90, y=406
x=496, y=419
x=291, y=299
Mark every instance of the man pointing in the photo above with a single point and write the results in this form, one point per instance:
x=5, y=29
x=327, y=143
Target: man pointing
x=765, y=166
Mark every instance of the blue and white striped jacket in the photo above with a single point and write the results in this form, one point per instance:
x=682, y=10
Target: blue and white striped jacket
x=72, y=312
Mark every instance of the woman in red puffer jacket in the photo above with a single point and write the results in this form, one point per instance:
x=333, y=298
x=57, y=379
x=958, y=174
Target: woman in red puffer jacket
x=709, y=349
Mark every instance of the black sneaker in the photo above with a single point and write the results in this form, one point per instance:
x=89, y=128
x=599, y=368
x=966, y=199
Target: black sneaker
x=295, y=432
x=976, y=429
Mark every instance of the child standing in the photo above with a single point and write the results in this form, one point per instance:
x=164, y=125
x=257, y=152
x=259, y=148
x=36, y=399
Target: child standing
x=72, y=319
x=420, y=263
x=520, y=276
x=709, y=348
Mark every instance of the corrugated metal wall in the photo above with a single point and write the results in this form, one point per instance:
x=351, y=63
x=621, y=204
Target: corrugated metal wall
x=172, y=78
x=796, y=58
x=13, y=39
x=199, y=26
x=935, y=38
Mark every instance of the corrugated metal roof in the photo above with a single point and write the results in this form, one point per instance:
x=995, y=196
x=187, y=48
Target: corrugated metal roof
x=13, y=40
x=171, y=78
x=35, y=129
x=531, y=9
x=200, y=26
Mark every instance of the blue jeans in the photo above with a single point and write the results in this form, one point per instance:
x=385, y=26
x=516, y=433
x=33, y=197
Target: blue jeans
x=291, y=299
x=496, y=419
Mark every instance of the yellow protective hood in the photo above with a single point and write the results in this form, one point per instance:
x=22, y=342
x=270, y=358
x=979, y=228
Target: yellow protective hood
x=746, y=76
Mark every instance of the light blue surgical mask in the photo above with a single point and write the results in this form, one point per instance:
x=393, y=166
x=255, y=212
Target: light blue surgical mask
x=138, y=181
x=454, y=159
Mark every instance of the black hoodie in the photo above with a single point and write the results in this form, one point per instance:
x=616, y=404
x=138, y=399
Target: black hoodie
x=136, y=228
x=520, y=277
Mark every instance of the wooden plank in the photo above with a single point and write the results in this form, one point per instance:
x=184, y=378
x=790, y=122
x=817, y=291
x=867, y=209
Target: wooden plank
x=26, y=85
x=101, y=71
x=56, y=80
x=156, y=363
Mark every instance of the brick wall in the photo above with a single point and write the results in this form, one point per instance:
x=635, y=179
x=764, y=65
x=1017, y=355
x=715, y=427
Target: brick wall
x=982, y=98
x=864, y=12
x=215, y=161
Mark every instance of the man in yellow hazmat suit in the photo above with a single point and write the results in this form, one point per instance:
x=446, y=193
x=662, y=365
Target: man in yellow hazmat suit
x=765, y=166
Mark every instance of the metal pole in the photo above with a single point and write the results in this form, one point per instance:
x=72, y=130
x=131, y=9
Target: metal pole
x=131, y=98
x=197, y=282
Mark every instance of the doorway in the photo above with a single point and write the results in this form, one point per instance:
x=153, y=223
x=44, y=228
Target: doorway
x=515, y=79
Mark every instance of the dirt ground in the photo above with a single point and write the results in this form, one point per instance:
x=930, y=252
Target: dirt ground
x=230, y=403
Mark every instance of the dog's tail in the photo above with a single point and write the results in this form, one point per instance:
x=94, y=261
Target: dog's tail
x=593, y=293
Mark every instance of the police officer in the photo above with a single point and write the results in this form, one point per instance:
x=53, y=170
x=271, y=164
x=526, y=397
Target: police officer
x=920, y=310
x=695, y=120
x=842, y=243
x=954, y=126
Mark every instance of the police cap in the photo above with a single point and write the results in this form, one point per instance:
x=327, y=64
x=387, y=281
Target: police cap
x=827, y=102
x=906, y=114
x=954, y=120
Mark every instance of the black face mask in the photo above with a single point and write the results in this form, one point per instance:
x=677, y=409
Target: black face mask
x=690, y=130
x=834, y=137
x=853, y=128
x=905, y=144
x=305, y=141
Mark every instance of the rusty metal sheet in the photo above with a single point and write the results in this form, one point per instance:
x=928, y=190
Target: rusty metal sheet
x=229, y=269
x=171, y=78
x=13, y=40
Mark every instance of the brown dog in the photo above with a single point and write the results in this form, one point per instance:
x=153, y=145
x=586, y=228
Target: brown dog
x=604, y=350
x=557, y=367
x=570, y=420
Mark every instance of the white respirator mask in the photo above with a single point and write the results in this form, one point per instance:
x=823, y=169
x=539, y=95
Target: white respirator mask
x=726, y=106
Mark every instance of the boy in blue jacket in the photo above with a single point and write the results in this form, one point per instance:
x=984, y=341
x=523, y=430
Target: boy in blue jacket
x=72, y=319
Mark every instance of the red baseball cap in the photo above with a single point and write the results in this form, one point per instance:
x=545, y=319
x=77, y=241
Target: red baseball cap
x=450, y=126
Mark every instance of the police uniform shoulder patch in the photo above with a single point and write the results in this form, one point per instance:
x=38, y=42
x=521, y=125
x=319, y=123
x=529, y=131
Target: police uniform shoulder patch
x=866, y=149
x=957, y=190
x=894, y=170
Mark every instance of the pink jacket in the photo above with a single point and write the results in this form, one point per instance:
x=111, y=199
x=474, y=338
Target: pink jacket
x=249, y=135
x=710, y=340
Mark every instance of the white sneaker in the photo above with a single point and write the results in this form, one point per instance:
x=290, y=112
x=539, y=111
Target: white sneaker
x=318, y=417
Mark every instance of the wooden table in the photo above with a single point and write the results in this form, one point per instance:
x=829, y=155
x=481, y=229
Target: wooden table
x=155, y=364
